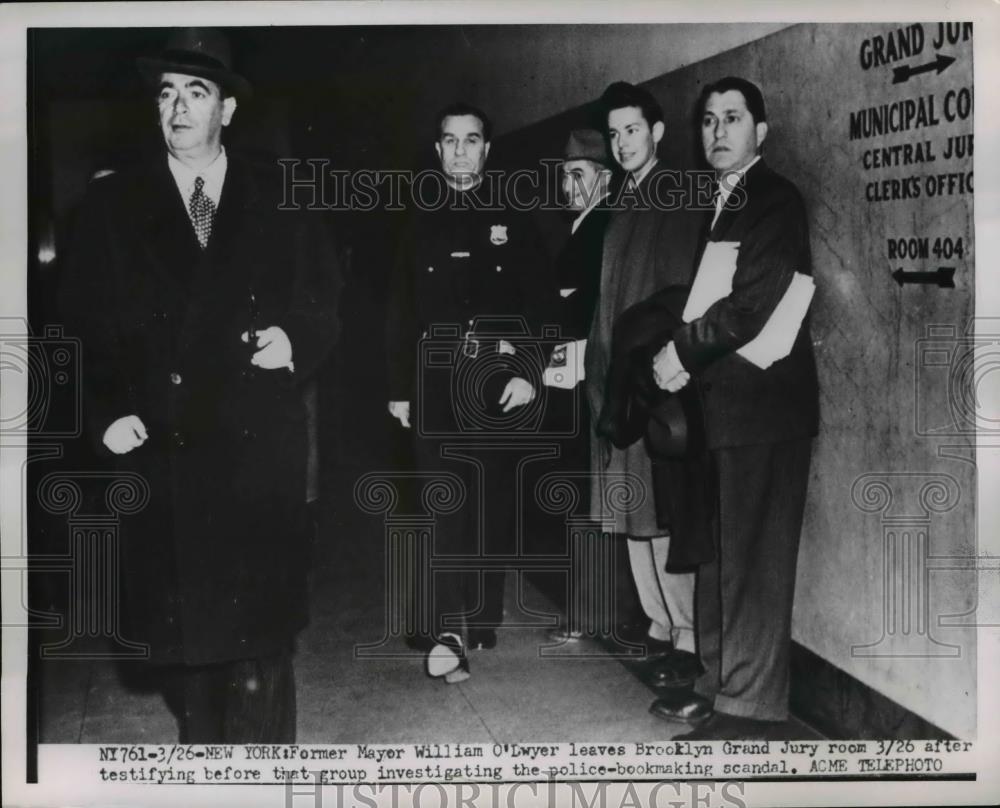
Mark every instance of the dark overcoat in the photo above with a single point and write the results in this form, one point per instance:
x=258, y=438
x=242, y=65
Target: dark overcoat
x=647, y=246
x=214, y=566
x=578, y=266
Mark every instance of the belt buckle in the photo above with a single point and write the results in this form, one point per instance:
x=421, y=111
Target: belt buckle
x=470, y=347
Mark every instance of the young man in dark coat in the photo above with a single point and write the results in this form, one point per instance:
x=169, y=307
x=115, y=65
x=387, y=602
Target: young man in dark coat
x=759, y=426
x=202, y=310
x=648, y=245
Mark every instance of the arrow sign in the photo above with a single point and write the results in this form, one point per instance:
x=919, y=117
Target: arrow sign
x=944, y=277
x=901, y=74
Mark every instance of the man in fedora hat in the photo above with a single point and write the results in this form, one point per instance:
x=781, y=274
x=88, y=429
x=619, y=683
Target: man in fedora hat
x=202, y=310
x=585, y=174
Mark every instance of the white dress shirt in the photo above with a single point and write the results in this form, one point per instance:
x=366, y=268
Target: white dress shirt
x=725, y=189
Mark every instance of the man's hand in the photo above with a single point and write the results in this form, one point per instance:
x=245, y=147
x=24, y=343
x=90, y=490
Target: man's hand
x=125, y=434
x=668, y=372
x=517, y=393
x=275, y=349
x=400, y=410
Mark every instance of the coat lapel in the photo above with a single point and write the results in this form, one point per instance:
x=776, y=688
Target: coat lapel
x=168, y=238
x=731, y=212
x=224, y=268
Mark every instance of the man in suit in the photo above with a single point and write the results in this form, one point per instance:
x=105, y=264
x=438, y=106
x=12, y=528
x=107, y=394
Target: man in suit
x=647, y=246
x=759, y=426
x=202, y=310
x=470, y=286
x=586, y=178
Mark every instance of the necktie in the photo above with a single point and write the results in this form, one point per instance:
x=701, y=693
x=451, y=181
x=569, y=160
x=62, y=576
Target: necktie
x=717, y=204
x=202, y=212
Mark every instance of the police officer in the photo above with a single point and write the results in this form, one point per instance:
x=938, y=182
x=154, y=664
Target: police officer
x=470, y=287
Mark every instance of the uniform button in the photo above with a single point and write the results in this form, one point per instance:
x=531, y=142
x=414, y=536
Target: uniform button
x=178, y=439
x=247, y=434
x=498, y=268
x=175, y=378
x=430, y=269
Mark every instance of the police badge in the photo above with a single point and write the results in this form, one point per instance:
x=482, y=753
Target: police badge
x=498, y=234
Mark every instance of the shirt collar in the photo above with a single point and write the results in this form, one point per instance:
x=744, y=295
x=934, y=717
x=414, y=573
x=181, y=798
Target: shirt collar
x=214, y=175
x=638, y=178
x=725, y=189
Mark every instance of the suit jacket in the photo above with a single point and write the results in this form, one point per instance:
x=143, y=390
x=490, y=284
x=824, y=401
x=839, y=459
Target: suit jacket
x=460, y=268
x=744, y=404
x=214, y=564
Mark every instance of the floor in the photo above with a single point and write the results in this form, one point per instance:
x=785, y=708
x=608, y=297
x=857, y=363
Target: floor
x=345, y=695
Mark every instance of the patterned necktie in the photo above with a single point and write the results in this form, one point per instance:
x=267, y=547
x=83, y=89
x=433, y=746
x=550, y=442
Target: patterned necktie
x=202, y=212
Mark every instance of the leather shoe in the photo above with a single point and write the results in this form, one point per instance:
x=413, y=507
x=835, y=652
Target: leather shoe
x=726, y=727
x=682, y=707
x=482, y=639
x=447, y=658
x=632, y=632
x=419, y=642
x=679, y=669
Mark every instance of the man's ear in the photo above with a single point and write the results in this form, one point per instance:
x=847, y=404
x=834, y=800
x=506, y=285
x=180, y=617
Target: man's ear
x=658, y=131
x=228, y=108
x=486, y=150
x=437, y=148
x=761, y=133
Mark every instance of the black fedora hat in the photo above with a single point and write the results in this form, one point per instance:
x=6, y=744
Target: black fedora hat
x=203, y=52
x=587, y=144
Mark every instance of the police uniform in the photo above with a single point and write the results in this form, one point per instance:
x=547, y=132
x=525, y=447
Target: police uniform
x=471, y=288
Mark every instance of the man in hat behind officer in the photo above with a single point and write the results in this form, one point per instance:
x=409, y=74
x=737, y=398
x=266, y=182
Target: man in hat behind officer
x=585, y=179
x=202, y=310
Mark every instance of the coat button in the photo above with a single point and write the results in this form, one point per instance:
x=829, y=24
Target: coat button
x=498, y=268
x=247, y=434
x=430, y=269
x=178, y=439
x=175, y=378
